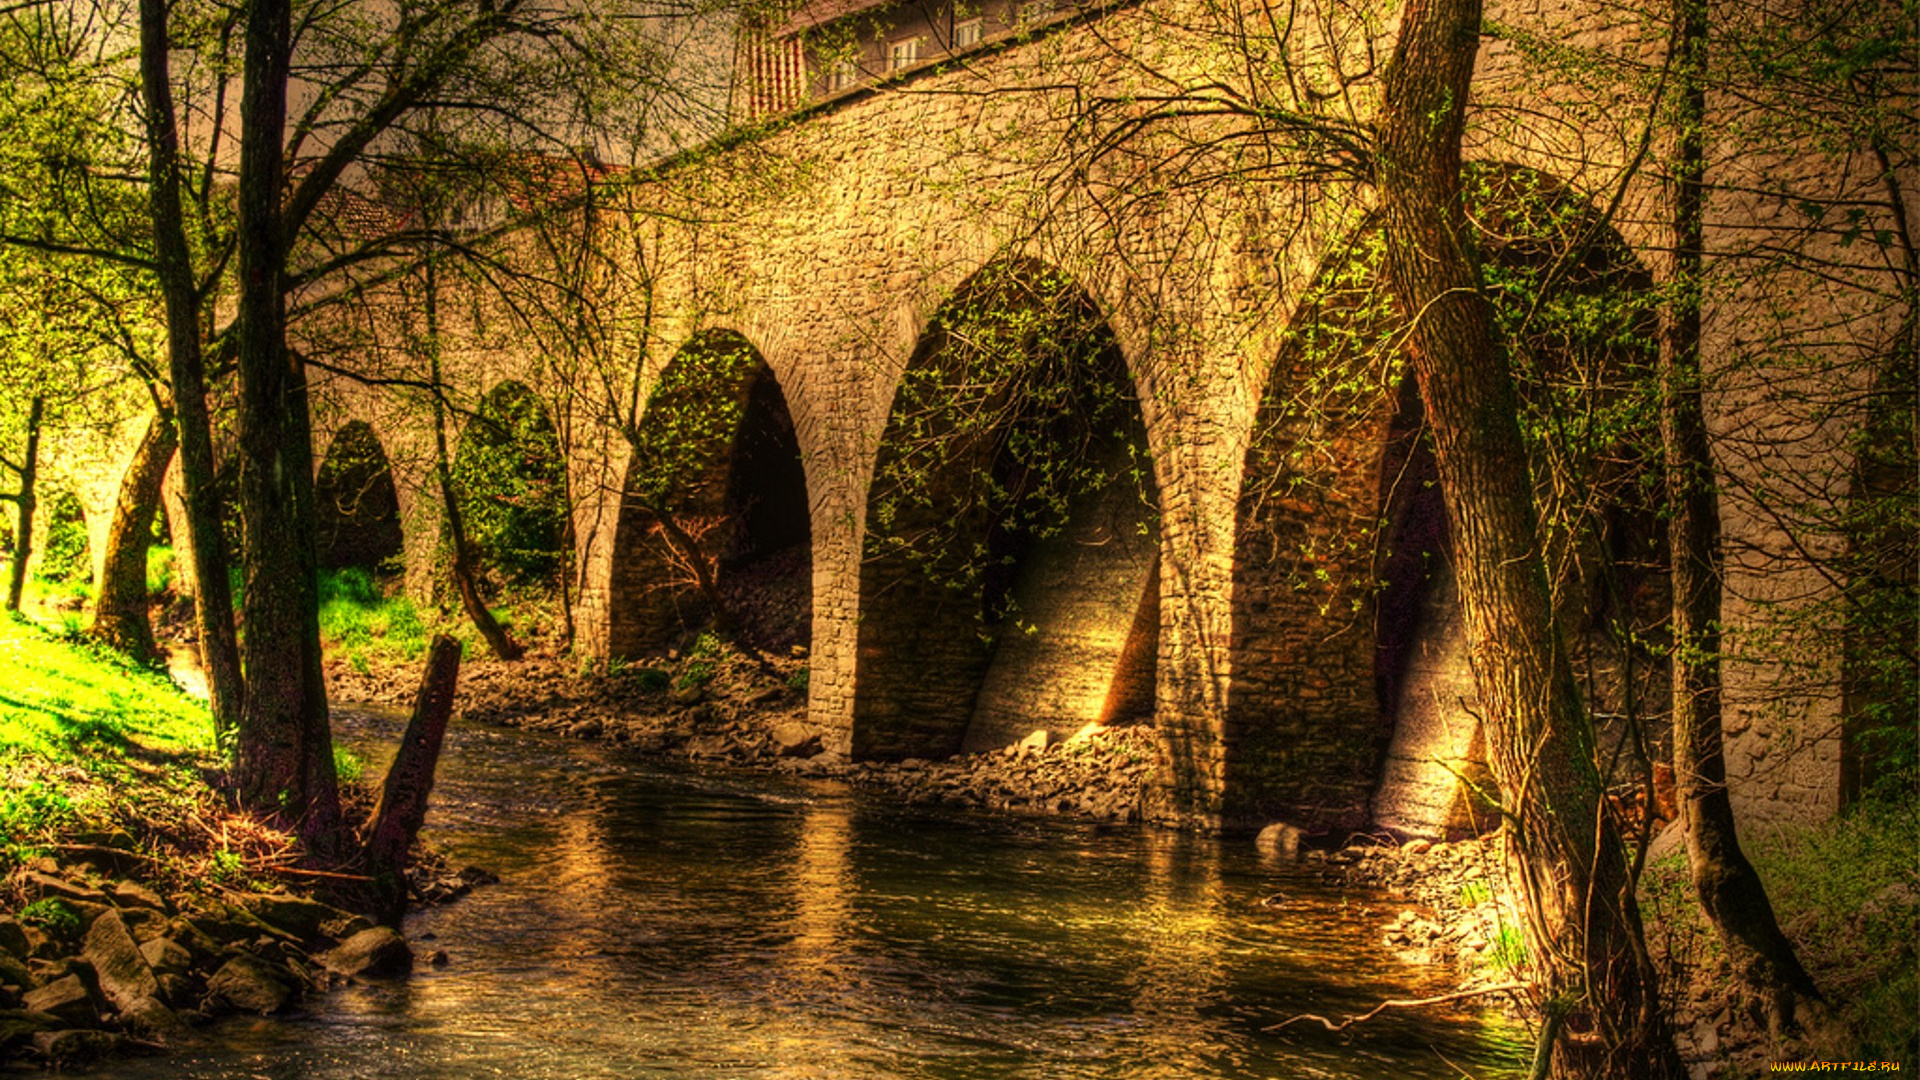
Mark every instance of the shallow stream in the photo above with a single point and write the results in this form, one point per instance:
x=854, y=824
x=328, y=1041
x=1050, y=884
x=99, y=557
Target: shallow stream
x=653, y=922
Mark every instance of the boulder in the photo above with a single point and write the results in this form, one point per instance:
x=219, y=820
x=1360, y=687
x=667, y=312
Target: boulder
x=124, y=975
x=308, y=920
x=129, y=894
x=250, y=985
x=151, y=1017
x=379, y=951
x=166, y=957
x=75, y=1045
x=39, y=886
x=1279, y=841
x=178, y=991
x=144, y=924
x=66, y=998
x=708, y=746
x=13, y=938
x=19, y=1026
x=795, y=740
x=14, y=973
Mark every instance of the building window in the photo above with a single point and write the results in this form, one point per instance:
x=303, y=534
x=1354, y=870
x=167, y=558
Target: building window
x=967, y=34
x=904, y=53
x=842, y=76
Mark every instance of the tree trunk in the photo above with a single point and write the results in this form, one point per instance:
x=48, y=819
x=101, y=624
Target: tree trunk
x=465, y=574
x=213, y=596
x=120, y=610
x=403, y=798
x=285, y=745
x=23, y=504
x=1729, y=888
x=1599, y=991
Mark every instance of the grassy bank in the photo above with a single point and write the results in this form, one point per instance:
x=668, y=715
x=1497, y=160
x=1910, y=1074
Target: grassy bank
x=372, y=626
x=99, y=753
x=1847, y=892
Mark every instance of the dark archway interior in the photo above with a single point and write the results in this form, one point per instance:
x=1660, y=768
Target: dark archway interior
x=356, y=509
x=1414, y=535
x=1320, y=719
x=1009, y=581
x=766, y=573
x=716, y=525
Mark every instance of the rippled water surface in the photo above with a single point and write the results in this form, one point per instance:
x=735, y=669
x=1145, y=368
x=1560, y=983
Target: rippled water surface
x=653, y=923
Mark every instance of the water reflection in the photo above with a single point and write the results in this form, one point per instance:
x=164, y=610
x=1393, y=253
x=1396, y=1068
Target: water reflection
x=821, y=877
x=653, y=923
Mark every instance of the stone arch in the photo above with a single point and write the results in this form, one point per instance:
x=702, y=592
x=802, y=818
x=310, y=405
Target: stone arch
x=356, y=506
x=511, y=482
x=1009, y=578
x=1351, y=698
x=715, y=475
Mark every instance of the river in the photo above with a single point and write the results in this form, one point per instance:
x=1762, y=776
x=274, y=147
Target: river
x=660, y=922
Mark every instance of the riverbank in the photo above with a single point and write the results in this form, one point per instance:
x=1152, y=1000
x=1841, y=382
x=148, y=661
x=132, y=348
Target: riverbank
x=1855, y=926
x=1846, y=892
x=718, y=705
x=137, y=902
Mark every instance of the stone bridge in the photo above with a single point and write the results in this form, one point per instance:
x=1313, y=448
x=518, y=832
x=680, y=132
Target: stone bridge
x=1228, y=594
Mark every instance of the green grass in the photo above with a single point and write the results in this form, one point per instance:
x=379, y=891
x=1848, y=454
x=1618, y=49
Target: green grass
x=1847, y=892
x=358, y=619
x=159, y=569
x=87, y=740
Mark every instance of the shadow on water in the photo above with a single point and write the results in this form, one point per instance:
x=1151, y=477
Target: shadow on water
x=661, y=923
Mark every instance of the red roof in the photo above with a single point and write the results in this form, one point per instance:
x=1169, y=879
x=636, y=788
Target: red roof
x=820, y=12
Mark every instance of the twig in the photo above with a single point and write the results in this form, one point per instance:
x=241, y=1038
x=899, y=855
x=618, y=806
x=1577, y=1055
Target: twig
x=330, y=874
x=1412, y=1003
x=101, y=849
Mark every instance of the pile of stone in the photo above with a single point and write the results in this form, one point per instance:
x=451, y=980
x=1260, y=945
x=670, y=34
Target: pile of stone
x=90, y=968
x=1457, y=913
x=1099, y=773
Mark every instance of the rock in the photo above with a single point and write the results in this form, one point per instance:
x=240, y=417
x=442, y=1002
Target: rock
x=1088, y=732
x=1279, y=841
x=20, y=1025
x=15, y=973
x=688, y=695
x=708, y=746
x=166, y=957
x=125, y=977
x=129, y=894
x=375, y=952
x=144, y=923
x=13, y=938
x=151, y=1017
x=75, y=1045
x=250, y=985
x=1036, y=742
x=584, y=729
x=1416, y=847
x=39, y=886
x=795, y=740
x=178, y=991
x=307, y=920
x=66, y=998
